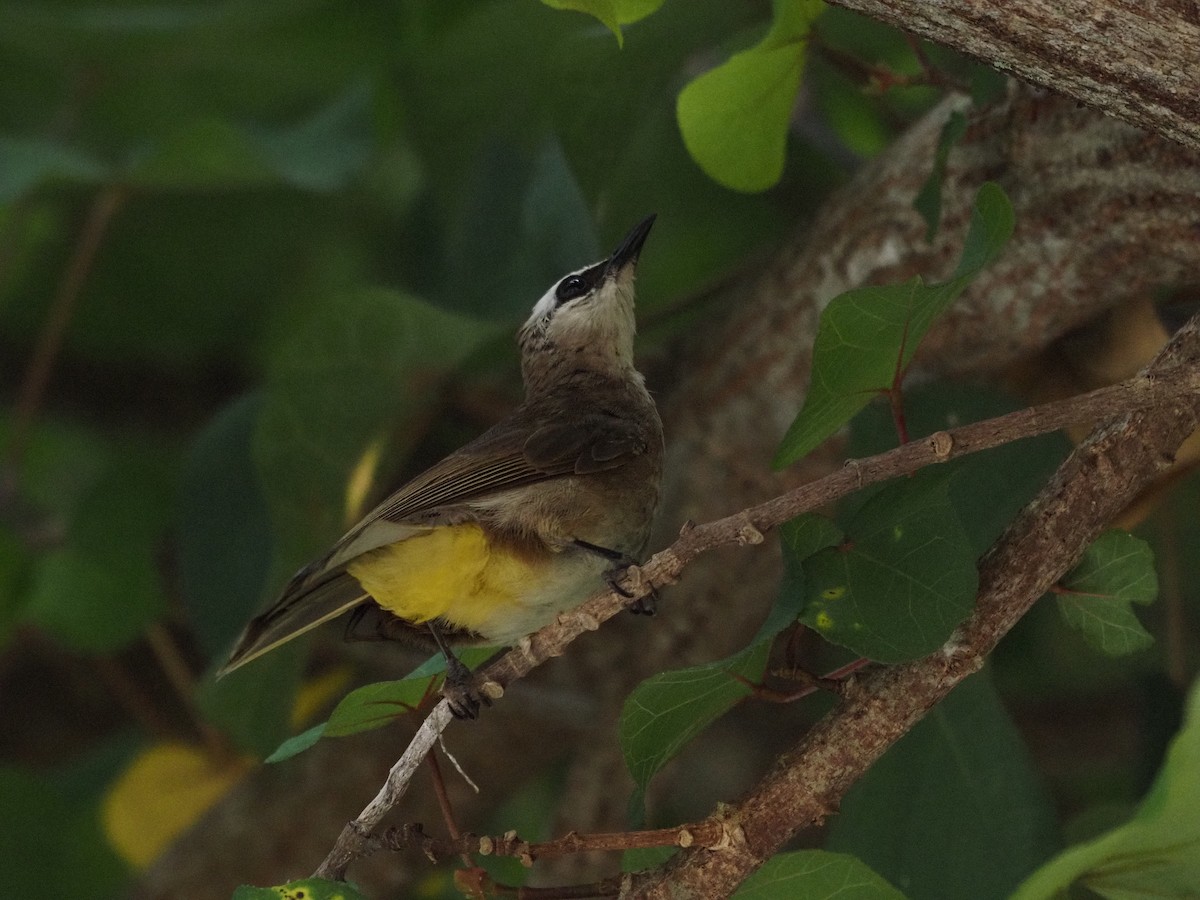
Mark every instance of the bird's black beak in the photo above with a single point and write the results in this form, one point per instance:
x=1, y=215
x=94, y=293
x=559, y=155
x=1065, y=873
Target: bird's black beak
x=630, y=248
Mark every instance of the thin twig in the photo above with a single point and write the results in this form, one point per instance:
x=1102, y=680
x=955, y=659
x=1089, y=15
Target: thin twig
x=605, y=887
x=443, y=800
x=1164, y=386
x=132, y=697
x=183, y=683
x=353, y=840
x=41, y=364
x=462, y=773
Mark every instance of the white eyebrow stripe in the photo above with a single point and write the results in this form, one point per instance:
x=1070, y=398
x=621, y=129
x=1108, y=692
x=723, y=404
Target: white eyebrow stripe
x=544, y=306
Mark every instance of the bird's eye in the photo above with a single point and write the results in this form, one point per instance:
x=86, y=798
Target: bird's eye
x=571, y=287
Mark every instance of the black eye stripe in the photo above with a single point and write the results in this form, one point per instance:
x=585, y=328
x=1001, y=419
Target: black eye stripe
x=570, y=288
x=575, y=286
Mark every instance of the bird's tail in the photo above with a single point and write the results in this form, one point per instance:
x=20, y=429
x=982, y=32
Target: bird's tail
x=302, y=607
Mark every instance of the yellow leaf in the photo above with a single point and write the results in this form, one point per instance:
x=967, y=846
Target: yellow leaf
x=361, y=480
x=164, y=790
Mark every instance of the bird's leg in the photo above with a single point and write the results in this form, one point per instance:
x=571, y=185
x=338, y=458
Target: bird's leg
x=459, y=688
x=645, y=606
x=370, y=623
x=362, y=626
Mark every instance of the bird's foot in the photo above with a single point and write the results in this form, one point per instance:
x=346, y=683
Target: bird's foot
x=646, y=605
x=464, y=691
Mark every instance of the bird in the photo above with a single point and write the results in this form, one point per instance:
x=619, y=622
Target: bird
x=520, y=524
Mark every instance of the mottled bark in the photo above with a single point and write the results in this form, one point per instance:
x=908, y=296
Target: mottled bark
x=1132, y=59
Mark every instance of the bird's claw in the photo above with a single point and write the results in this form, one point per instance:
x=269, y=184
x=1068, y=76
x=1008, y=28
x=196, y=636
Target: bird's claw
x=646, y=605
x=462, y=691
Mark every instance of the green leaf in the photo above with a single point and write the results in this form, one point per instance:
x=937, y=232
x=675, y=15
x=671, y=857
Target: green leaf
x=929, y=199
x=224, y=532
x=380, y=703
x=904, y=579
x=297, y=743
x=869, y=40
x=326, y=151
x=630, y=11
x=674, y=706
x=989, y=488
x=1116, y=571
x=322, y=153
x=1156, y=853
x=864, y=113
x=666, y=710
x=868, y=336
x=805, y=535
x=102, y=588
x=363, y=709
x=992, y=223
x=859, y=121
x=308, y=889
x=955, y=808
x=815, y=875
x=613, y=13
x=363, y=365
x=28, y=163
x=987, y=85
x=556, y=230
x=203, y=153
x=253, y=704
x=520, y=225
x=89, y=603
x=1174, y=526
x=734, y=118
x=639, y=859
x=52, y=846
x=60, y=474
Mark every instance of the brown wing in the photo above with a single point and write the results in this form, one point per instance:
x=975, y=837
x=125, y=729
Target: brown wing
x=590, y=444
x=508, y=456
x=503, y=458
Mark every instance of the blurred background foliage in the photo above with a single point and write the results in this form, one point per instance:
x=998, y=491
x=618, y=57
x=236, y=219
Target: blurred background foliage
x=258, y=261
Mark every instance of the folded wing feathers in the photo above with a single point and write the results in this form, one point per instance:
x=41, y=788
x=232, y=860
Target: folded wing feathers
x=496, y=461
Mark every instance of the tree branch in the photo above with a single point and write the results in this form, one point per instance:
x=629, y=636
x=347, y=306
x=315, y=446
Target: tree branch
x=1132, y=59
x=709, y=833
x=1096, y=481
x=1165, y=384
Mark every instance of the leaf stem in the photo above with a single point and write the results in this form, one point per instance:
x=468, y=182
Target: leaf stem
x=896, y=401
x=443, y=801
